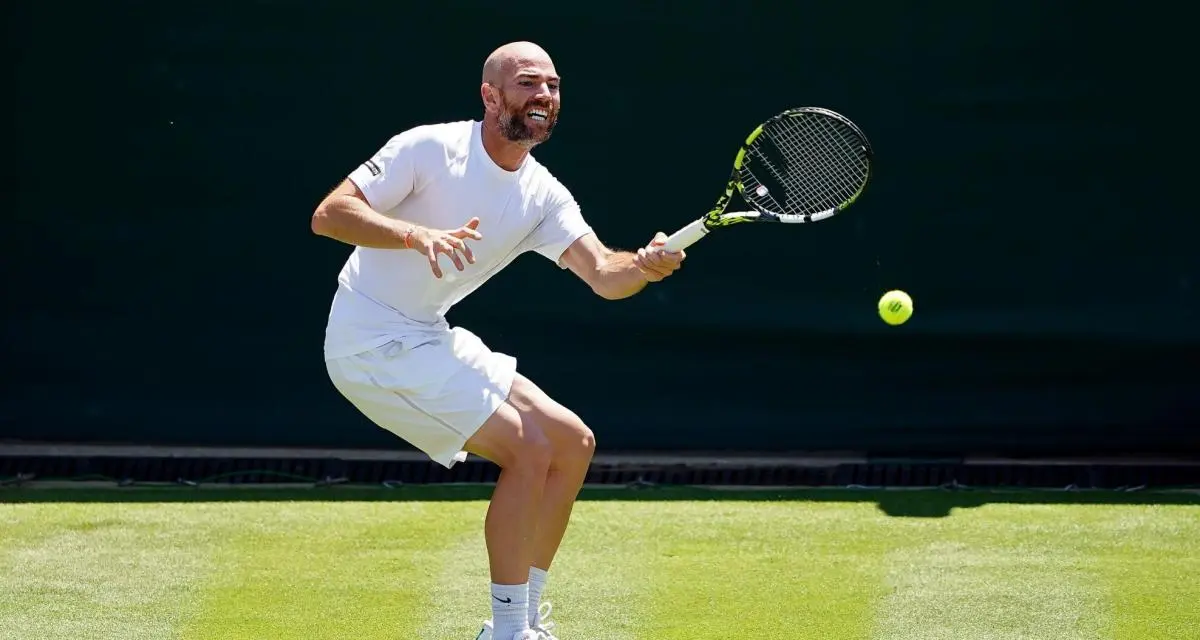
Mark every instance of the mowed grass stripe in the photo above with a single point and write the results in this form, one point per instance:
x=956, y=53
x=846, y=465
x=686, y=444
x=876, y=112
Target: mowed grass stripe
x=1149, y=559
x=332, y=570
x=458, y=586
x=1055, y=572
x=591, y=586
x=601, y=575
x=759, y=569
x=100, y=571
x=958, y=588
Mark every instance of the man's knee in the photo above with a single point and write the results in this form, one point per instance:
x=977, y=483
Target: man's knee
x=587, y=443
x=572, y=441
x=574, y=444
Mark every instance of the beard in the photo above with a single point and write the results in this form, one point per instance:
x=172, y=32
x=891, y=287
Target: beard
x=513, y=125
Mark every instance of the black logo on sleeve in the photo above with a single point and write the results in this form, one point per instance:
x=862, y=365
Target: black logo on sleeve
x=372, y=167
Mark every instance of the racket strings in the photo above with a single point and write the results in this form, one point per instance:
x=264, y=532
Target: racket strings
x=816, y=162
x=818, y=175
x=832, y=181
x=827, y=178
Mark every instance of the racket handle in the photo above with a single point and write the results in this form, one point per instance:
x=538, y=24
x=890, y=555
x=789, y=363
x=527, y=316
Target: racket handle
x=686, y=236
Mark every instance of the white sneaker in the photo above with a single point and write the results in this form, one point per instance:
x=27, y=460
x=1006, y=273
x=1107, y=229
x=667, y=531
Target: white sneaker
x=542, y=626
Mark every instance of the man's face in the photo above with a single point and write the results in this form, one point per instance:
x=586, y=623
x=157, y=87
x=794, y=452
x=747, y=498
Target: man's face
x=529, y=103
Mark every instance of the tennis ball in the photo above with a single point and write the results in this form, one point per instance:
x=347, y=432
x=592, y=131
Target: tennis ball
x=895, y=307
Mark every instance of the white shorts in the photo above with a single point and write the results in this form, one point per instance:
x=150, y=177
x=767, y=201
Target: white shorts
x=433, y=390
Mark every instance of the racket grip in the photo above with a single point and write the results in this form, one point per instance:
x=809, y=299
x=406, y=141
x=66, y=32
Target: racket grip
x=686, y=236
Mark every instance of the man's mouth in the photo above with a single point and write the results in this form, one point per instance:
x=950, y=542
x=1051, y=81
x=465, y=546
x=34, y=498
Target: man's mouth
x=541, y=115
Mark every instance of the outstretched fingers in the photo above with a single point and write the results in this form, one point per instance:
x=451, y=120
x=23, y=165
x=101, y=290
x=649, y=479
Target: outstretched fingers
x=453, y=244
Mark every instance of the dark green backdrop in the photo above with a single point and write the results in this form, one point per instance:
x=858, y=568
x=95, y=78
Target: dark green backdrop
x=162, y=284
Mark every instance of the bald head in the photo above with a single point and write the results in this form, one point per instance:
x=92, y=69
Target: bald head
x=505, y=62
x=520, y=93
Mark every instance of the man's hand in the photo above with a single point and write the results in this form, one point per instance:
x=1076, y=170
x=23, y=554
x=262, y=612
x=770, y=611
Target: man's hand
x=431, y=242
x=656, y=263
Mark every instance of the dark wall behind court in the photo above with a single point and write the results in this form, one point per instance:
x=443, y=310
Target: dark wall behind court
x=162, y=284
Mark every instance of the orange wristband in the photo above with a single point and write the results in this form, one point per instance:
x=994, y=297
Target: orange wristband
x=408, y=238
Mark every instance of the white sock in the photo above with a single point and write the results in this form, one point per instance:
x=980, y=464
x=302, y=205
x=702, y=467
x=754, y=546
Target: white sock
x=537, y=584
x=510, y=608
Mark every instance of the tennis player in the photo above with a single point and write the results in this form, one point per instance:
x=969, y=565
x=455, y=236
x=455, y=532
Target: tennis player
x=432, y=215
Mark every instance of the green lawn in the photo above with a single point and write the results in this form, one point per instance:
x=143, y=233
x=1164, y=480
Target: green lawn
x=678, y=564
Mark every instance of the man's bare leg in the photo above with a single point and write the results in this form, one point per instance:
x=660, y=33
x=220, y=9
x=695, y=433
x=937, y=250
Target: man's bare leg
x=573, y=445
x=523, y=454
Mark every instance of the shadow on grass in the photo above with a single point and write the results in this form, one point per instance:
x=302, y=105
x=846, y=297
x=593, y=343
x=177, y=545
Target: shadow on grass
x=906, y=503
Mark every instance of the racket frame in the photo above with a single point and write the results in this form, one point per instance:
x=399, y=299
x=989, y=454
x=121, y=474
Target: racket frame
x=719, y=217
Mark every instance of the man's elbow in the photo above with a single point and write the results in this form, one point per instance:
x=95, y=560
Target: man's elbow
x=608, y=293
x=610, y=290
x=322, y=223
x=599, y=284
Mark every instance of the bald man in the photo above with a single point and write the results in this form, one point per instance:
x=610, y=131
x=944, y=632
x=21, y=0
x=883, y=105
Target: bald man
x=433, y=214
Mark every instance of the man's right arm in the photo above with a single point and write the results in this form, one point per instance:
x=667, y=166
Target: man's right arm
x=345, y=216
x=352, y=212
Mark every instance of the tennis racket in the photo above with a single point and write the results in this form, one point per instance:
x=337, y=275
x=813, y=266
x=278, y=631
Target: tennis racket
x=803, y=165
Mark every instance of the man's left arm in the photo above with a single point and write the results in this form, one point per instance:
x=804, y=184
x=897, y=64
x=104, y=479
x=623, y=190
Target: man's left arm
x=565, y=238
x=614, y=275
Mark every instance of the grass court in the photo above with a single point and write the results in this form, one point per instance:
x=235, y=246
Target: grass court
x=660, y=563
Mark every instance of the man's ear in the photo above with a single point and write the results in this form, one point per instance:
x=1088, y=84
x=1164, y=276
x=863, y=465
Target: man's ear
x=489, y=95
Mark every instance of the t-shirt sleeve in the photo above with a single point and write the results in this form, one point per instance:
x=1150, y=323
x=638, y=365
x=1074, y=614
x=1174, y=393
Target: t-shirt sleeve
x=390, y=174
x=562, y=225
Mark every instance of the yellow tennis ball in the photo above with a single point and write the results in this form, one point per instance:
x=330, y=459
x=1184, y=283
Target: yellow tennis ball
x=895, y=307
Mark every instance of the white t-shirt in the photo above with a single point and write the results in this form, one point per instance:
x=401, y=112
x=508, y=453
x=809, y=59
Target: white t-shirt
x=439, y=176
